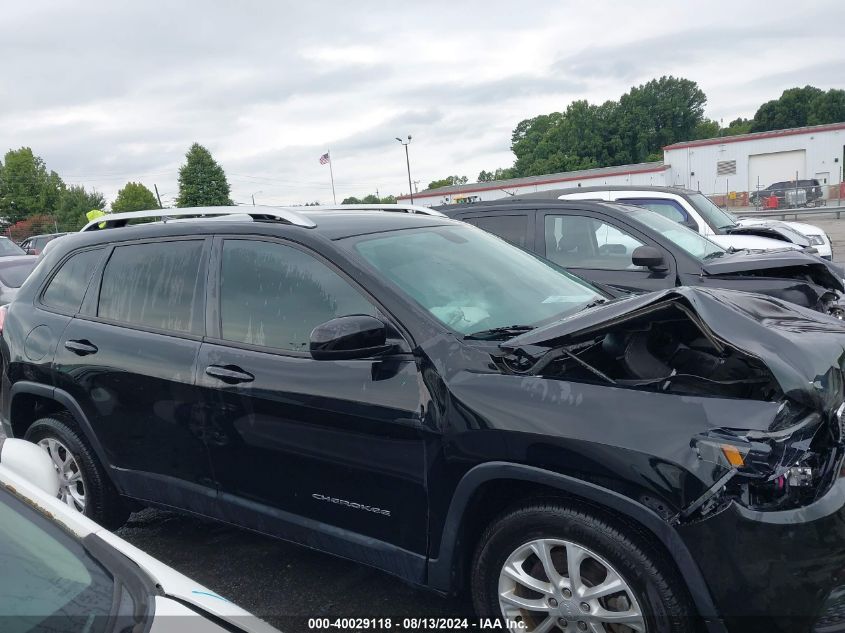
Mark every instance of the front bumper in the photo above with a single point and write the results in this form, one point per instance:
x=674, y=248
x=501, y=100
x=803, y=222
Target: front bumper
x=775, y=571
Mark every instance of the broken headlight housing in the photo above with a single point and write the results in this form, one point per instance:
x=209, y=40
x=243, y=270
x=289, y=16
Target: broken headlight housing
x=790, y=465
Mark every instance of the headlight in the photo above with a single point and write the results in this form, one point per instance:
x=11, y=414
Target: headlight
x=816, y=240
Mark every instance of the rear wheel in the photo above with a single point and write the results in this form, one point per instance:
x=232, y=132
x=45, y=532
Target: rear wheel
x=84, y=485
x=549, y=567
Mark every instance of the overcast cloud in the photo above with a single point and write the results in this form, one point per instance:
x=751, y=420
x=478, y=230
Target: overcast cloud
x=111, y=91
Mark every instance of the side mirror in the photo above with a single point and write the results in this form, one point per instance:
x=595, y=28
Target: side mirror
x=649, y=257
x=31, y=463
x=348, y=337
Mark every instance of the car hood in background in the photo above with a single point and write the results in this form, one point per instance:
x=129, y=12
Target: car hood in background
x=800, y=227
x=804, y=350
x=741, y=242
x=798, y=265
x=770, y=228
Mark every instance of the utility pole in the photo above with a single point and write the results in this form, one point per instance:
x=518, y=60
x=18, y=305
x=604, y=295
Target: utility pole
x=416, y=189
x=155, y=186
x=408, y=163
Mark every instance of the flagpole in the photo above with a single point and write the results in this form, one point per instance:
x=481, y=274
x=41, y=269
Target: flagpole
x=331, y=174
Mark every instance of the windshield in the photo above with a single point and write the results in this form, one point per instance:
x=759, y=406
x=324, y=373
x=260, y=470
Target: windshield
x=686, y=239
x=713, y=215
x=471, y=280
x=49, y=581
x=8, y=247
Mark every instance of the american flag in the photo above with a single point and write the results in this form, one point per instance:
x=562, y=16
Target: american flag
x=324, y=158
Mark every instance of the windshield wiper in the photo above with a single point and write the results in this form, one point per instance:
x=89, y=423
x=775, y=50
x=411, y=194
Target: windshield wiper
x=593, y=304
x=716, y=254
x=506, y=331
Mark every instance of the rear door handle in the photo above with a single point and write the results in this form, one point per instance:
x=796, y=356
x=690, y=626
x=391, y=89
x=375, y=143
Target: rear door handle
x=231, y=374
x=82, y=347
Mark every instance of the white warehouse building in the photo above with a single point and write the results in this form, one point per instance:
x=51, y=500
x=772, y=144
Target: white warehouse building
x=719, y=167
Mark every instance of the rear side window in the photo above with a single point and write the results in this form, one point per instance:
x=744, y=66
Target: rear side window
x=156, y=285
x=511, y=228
x=66, y=289
x=273, y=295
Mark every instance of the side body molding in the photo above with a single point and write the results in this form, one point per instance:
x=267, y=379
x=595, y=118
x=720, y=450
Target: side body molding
x=443, y=570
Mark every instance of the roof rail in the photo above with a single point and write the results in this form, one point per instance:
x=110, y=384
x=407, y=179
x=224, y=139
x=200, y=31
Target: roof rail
x=286, y=215
x=393, y=208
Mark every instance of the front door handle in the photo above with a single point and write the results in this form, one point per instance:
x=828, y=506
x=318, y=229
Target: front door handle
x=231, y=374
x=81, y=348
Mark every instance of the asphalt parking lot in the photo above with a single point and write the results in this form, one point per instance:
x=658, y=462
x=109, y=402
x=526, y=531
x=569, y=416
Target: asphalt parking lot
x=835, y=229
x=283, y=583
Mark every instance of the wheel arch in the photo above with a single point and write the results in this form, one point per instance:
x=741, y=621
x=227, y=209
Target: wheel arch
x=446, y=571
x=31, y=400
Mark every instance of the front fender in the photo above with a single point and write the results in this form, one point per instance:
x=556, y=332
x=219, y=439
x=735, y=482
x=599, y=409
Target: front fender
x=444, y=570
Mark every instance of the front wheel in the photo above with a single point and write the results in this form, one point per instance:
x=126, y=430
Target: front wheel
x=550, y=567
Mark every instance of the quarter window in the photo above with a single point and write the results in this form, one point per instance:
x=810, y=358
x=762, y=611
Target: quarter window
x=274, y=295
x=575, y=241
x=156, y=285
x=66, y=289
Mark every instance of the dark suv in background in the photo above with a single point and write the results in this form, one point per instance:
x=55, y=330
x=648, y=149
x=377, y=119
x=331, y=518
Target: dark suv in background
x=812, y=189
x=633, y=249
x=34, y=244
x=413, y=393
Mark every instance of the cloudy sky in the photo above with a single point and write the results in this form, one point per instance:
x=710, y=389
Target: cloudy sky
x=111, y=91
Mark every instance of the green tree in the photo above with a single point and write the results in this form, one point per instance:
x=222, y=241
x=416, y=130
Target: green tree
x=633, y=129
x=27, y=187
x=798, y=107
x=370, y=199
x=500, y=174
x=74, y=204
x=448, y=182
x=708, y=128
x=737, y=126
x=202, y=182
x=134, y=197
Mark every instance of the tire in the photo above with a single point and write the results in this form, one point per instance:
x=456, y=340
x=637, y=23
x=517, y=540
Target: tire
x=102, y=502
x=651, y=593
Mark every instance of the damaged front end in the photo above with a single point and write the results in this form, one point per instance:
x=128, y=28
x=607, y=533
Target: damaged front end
x=724, y=344
x=790, y=275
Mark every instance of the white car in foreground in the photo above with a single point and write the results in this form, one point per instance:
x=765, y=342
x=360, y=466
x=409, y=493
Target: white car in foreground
x=693, y=209
x=63, y=572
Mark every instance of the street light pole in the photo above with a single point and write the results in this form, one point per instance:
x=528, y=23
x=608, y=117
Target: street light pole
x=408, y=163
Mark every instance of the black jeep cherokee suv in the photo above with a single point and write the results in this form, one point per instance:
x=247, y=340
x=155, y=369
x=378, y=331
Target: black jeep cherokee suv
x=413, y=393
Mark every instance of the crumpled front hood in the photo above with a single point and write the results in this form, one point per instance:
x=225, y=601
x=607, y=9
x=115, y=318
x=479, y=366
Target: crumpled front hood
x=800, y=227
x=771, y=228
x=804, y=350
x=821, y=271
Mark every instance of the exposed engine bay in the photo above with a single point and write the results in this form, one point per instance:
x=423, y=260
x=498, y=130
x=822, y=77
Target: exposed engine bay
x=666, y=346
x=661, y=349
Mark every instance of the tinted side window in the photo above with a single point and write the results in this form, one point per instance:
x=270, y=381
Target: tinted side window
x=66, y=289
x=511, y=228
x=274, y=295
x=156, y=285
x=669, y=209
x=583, y=242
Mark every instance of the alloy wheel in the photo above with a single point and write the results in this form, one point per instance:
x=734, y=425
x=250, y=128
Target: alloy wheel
x=556, y=585
x=71, y=483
